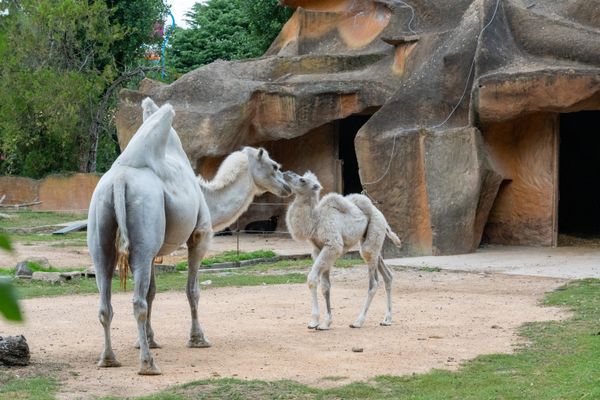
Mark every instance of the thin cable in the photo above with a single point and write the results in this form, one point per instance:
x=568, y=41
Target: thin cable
x=412, y=16
x=388, y=166
x=470, y=72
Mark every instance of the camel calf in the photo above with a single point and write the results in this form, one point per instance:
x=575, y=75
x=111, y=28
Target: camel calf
x=333, y=225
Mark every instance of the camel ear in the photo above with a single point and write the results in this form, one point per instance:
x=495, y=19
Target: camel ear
x=260, y=153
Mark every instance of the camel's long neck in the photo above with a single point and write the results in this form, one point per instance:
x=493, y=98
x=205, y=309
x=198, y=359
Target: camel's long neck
x=226, y=204
x=302, y=217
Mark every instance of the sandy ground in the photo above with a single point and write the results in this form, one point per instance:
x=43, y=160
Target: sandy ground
x=440, y=320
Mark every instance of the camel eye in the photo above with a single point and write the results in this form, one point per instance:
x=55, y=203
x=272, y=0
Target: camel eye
x=302, y=181
x=275, y=167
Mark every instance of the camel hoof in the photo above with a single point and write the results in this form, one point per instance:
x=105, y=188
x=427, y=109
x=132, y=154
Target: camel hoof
x=385, y=323
x=198, y=343
x=355, y=326
x=148, y=368
x=313, y=325
x=322, y=328
x=109, y=363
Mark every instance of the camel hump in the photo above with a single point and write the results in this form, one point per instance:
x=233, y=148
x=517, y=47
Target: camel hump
x=362, y=202
x=338, y=202
x=149, y=107
x=147, y=148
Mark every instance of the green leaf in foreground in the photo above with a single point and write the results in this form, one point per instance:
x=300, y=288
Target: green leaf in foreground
x=9, y=306
x=5, y=243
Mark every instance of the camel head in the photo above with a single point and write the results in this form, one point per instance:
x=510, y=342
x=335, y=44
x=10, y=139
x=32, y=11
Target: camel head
x=266, y=173
x=305, y=185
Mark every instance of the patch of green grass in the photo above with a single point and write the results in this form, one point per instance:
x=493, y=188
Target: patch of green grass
x=38, y=388
x=561, y=361
x=230, y=256
x=334, y=378
x=430, y=269
x=252, y=276
x=281, y=272
x=31, y=219
x=71, y=239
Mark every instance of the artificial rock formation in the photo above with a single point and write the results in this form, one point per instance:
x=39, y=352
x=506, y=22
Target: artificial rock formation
x=463, y=99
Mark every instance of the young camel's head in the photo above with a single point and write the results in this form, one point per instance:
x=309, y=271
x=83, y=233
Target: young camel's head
x=305, y=185
x=266, y=173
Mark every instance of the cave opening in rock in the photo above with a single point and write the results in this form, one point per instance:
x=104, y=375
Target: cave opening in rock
x=579, y=174
x=347, y=130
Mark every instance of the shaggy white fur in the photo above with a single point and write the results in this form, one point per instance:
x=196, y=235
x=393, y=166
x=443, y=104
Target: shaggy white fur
x=333, y=225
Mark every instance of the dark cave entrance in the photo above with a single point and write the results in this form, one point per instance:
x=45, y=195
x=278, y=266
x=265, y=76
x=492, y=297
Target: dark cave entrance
x=347, y=130
x=579, y=175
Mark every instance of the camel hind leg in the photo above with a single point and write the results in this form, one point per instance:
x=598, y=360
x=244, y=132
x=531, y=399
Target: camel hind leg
x=152, y=343
x=373, y=283
x=101, y=235
x=141, y=266
x=388, y=277
x=104, y=274
x=197, y=247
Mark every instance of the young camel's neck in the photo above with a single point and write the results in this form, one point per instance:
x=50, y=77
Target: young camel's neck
x=302, y=216
x=229, y=196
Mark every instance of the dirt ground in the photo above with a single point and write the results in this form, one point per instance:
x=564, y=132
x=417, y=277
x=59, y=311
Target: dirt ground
x=440, y=320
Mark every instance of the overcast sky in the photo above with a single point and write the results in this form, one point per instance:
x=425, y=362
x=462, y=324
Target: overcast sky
x=179, y=8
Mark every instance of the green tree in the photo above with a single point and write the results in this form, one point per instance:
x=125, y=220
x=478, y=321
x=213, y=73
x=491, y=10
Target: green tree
x=61, y=63
x=267, y=17
x=227, y=30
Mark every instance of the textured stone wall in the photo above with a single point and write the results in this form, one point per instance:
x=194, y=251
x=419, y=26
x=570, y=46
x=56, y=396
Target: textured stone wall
x=462, y=95
x=525, y=150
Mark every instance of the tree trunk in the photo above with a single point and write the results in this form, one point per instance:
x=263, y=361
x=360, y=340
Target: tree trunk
x=14, y=350
x=96, y=125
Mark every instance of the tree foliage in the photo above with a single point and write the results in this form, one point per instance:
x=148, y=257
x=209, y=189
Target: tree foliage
x=59, y=59
x=227, y=30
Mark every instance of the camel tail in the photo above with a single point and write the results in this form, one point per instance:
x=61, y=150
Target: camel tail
x=122, y=238
x=392, y=236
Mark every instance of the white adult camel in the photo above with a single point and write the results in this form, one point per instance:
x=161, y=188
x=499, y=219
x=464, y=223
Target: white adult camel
x=333, y=225
x=148, y=204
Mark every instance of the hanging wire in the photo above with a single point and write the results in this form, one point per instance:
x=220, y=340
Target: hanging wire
x=412, y=16
x=460, y=100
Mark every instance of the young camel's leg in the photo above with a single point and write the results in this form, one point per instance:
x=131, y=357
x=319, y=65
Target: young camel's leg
x=150, y=299
x=325, y=289
x=386, y=273
x=373, y=283
x=197, y=247
x=322, y=264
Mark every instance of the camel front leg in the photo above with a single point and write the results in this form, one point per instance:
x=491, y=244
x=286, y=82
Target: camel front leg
x=322, y=264
x=325, y=289
x=370, y=293
x=197, y=247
